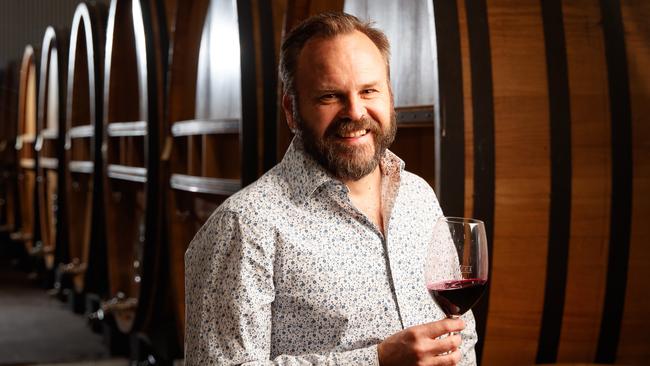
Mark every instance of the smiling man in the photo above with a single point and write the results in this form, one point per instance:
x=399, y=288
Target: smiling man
x=320, y=260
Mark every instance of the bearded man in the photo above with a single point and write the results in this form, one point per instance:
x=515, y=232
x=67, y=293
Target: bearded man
x=320, y=260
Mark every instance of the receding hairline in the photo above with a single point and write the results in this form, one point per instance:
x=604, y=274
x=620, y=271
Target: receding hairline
x=326, y=26
x=351, y=32
x=312, y=42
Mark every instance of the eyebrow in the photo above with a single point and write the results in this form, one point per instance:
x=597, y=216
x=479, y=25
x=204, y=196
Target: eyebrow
x=326, y=89
x=372, y=84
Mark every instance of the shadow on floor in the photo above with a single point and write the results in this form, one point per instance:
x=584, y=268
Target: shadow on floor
x=36, y=328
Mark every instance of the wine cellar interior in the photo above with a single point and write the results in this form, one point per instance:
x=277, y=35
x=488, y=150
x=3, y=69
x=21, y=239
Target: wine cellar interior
x=125, y=123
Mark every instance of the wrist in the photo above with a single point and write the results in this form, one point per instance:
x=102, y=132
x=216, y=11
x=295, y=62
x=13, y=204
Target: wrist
x=380, y=354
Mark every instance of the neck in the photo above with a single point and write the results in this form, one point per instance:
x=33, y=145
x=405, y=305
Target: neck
x=366, y=185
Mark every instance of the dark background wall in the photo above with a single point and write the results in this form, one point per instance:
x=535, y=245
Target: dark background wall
x=24, y=22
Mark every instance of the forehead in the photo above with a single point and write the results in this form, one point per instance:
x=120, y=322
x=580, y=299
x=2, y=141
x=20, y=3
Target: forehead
x=343, y=58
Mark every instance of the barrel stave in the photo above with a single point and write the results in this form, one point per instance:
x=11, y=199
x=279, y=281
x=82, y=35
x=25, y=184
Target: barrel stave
x=28, y=231
x=635, y=326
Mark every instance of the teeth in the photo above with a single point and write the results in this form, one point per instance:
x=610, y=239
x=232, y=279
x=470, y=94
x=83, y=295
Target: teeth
x=353, y=134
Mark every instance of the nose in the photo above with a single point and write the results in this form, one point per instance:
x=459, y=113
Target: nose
x=354, y=108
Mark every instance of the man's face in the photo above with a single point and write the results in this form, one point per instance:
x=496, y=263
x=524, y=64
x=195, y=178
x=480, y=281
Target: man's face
x=344, y=109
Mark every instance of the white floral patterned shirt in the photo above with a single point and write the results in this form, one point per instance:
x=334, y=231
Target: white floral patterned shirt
x=288, y=272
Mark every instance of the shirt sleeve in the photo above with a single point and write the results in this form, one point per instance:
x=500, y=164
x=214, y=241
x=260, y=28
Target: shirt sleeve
x=469, y=340
x=228, y=295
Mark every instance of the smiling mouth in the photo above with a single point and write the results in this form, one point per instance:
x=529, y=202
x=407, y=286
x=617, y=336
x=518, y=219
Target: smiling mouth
x=353, y=134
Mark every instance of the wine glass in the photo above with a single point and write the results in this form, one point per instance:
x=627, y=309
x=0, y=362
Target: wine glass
x=456, y=264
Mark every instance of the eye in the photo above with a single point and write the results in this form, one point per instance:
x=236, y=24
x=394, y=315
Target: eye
x=328, y=97
x=369, y=91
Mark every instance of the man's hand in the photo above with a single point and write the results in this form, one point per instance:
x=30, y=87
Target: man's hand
x=418, y=345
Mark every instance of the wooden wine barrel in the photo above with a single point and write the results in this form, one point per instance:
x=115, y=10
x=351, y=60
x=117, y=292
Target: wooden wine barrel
x=133, y=87
x=49, y=147
x=83, y=158
x=27, y=231
x=632, y=345
x=552, y=156
x=8, y=158
x=218, y=104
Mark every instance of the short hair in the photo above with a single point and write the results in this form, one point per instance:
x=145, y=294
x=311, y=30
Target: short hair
x=325, y=25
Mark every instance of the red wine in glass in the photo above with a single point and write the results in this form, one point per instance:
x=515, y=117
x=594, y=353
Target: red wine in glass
x=456, y=264
x=455, y=297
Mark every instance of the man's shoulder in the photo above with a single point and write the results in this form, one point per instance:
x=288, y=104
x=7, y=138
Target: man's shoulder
x=260, y=197
x=255, y=205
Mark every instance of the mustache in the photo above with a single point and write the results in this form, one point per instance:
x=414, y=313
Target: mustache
x=346, y=125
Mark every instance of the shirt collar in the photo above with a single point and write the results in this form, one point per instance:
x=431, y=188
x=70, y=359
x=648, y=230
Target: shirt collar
x=305, y=175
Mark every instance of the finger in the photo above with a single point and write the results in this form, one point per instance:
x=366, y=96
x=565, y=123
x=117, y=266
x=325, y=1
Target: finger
x=451, y=358
x=444, y=326
x=444, y=345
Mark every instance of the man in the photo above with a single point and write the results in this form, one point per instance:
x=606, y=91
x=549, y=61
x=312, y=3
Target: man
x=320, y=260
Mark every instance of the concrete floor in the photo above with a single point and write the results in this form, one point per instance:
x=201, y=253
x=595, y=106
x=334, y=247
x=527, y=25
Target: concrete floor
x=109, y=362
x=38, y=329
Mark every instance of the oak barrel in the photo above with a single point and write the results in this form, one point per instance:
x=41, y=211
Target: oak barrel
x=132, y=99
x=27, y=231
x=553, y=96
x=632, y=345
x=217, y=109
x=49, y=147
x=8, y=159
x=83, y=158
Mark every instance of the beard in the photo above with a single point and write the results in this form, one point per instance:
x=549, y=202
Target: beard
x=342, y=160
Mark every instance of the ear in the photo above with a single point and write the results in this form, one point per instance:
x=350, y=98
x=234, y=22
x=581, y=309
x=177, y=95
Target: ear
x=287, y=107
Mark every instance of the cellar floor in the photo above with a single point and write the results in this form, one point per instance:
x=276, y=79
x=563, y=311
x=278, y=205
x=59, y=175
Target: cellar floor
x=36, y=328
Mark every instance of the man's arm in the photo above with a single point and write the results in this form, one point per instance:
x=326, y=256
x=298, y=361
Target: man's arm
x=229, y=290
